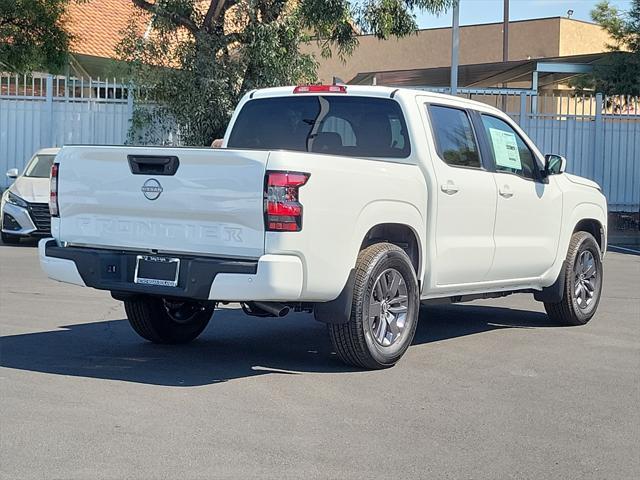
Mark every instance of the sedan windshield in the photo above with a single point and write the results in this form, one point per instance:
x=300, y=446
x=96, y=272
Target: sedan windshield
x=40, y=166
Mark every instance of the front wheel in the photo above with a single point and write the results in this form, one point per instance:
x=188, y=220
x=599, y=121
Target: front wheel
x=162, y=320
x=582, y=283
x=384, y=310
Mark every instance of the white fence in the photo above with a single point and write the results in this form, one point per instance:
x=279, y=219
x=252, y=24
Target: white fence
x=46, y=111
x=600, y=136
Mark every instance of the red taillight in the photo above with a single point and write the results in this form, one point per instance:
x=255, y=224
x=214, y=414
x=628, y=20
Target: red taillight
x=53, y=190
x=282, y=210
x=320, y=89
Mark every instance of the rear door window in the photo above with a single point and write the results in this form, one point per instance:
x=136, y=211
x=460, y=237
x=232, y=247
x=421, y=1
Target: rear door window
x=330, y=124
x=455, y=140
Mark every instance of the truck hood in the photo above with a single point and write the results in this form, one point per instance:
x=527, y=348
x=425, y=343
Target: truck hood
x=31, y=189
x=582, y=181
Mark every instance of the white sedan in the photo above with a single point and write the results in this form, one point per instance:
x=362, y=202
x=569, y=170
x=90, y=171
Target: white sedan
x=24, y=209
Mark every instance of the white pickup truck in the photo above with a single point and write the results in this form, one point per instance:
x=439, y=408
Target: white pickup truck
x=356, y=203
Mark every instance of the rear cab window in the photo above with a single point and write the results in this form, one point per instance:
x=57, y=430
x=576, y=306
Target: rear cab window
x=330, y=124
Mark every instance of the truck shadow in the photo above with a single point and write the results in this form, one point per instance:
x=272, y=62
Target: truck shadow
x=233, y=346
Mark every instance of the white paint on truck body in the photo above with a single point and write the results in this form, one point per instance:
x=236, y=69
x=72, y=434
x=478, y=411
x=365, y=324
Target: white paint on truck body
x=477, y=230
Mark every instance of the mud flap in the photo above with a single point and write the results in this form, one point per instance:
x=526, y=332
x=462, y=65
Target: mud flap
x=553, y=293
x=339, y=310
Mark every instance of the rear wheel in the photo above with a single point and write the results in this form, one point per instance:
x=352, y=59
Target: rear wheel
x=162, y=320
x=10, y=239
x=384, y=310
x=582, y=283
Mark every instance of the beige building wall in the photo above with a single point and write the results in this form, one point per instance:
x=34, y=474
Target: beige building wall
x=478, y=44
x=577, y=38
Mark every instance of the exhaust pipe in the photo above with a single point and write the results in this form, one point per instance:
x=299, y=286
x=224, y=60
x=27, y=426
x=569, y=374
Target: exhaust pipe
x=275, y=309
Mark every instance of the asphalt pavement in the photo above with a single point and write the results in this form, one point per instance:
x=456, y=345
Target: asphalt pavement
x=489, y=390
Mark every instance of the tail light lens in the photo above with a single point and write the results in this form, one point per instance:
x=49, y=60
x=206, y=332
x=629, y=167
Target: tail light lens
x=53, y=190
x=282, y=209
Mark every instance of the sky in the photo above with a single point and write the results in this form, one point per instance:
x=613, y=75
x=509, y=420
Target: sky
x=487, y=11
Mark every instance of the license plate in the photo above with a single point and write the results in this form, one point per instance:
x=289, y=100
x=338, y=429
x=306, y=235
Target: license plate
x=152, y=270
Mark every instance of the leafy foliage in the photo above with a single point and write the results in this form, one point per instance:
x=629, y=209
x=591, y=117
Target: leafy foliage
x=196, y=58
x=620, y=73
x=32, y=35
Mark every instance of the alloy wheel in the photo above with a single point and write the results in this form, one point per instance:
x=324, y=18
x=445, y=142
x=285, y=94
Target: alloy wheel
x=586, y=278
x=388, y=307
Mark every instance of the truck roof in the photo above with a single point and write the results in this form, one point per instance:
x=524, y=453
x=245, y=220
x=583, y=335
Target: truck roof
x=376, y=91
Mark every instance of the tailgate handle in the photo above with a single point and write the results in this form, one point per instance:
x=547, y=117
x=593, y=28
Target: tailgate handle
x=153, y=164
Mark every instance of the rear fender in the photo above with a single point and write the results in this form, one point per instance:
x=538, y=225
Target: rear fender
x=373, y=214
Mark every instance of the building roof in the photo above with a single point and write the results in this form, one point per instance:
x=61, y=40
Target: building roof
x=476, y=75
x=97, y=25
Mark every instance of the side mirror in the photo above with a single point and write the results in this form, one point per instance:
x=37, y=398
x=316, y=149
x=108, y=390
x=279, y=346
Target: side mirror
x=554, y=164
x=12, y=173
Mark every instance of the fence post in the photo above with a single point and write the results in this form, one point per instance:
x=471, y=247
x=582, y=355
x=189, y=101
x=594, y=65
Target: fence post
x=129, y=111
x=130, y=102
x=49, y=109
x=523, y=111
x=598, y=157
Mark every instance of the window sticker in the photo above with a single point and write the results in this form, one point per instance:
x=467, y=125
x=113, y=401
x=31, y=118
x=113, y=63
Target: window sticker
x=505, y=148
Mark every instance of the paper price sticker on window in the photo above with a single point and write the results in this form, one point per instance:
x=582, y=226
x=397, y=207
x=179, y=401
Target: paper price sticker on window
x=505, y=148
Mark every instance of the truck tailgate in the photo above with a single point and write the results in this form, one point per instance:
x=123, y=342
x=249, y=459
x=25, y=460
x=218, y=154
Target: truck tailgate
x=123, y=197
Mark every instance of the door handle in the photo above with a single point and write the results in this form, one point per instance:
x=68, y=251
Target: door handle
x=505, y=192
x=449, y=188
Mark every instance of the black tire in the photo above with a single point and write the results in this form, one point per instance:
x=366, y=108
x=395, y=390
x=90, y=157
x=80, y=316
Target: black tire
x=169, y=322
x=573, y=309
x=355, y=341
x=9, y=239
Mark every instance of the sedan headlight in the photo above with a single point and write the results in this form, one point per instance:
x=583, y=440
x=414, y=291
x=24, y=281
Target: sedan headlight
x=16, y=200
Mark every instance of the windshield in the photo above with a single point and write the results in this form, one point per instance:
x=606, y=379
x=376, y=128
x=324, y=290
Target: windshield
x=40, y=166
x=338, y=125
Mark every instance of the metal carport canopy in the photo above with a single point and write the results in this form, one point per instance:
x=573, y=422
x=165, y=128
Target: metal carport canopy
x=549, y=70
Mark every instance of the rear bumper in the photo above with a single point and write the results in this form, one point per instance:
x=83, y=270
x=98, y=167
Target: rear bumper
x=270, y=278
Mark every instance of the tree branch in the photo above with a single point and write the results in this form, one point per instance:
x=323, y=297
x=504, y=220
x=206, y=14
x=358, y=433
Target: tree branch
x=210, y=12
x=174, y=17
x=216, y=12
x=215, y=4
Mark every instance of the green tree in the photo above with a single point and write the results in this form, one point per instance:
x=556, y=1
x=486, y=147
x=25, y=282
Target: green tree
x=619, y=74
x=196, y=58
x=32, y=35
